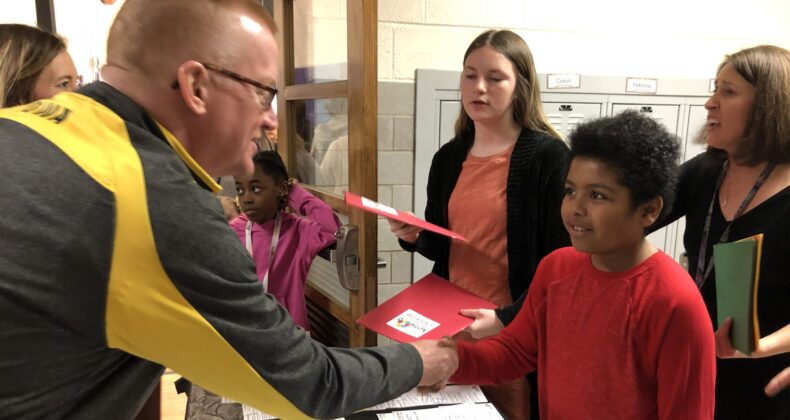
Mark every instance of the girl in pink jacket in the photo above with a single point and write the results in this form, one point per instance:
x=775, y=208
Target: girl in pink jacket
x=282, y=244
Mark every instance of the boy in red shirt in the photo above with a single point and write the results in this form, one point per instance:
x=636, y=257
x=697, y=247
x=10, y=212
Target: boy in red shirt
x=615, y=327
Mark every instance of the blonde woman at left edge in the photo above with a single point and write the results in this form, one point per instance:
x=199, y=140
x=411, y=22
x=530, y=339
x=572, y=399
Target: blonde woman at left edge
x=34, y=65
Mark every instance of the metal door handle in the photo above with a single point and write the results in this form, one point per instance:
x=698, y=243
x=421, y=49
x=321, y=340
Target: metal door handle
x=346, y=256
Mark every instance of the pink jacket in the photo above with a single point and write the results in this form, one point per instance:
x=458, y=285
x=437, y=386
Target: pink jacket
x=301, y=238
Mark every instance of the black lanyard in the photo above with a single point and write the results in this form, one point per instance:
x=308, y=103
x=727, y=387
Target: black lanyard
x=703, y=270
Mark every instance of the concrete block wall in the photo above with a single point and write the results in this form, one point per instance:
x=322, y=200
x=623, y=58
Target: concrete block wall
x=674, y=38
x=396, y=180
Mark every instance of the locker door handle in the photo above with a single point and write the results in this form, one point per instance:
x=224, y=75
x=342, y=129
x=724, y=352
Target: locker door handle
x=646, y=109
x=566, y=107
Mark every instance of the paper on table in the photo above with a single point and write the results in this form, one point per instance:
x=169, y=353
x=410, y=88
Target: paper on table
x=375, y=207
x=249, y=412
x=453, y=394
x=448, y=412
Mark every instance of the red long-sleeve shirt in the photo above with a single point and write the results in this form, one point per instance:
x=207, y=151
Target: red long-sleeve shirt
x=634, y=345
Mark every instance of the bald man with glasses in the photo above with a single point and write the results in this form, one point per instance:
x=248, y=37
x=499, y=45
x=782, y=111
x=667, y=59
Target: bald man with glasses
x=125, y=264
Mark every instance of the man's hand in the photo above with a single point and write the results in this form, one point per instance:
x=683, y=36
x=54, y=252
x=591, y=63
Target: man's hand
x=405, y=232
x=485, y=324
x=439, y=362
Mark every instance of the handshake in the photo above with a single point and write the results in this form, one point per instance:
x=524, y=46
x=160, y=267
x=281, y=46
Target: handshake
x=440, y=358
x=439, y=362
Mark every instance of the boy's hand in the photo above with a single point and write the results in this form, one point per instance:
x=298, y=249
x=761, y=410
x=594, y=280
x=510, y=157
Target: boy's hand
x=485, y=324
x=405, y=232
x=447, y=343
x=439, y=360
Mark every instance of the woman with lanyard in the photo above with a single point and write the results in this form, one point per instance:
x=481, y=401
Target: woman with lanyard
x=738, y=188
x=283, y=245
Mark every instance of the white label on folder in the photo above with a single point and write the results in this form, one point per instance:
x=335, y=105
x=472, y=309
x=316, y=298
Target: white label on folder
x=376, y=205
x=412, y=323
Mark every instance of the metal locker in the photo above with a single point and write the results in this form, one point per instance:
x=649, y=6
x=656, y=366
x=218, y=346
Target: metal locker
x=448, y=113
x=566, y=115
x=668, y=115
x=697, y=119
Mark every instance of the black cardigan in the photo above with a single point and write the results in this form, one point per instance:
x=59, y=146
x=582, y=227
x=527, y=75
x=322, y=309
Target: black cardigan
x=535, y=184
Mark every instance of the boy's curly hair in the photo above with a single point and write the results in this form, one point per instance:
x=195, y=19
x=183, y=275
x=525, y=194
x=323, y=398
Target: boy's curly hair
x=643, y=154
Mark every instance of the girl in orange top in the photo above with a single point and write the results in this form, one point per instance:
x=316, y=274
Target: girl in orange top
x=499, y=183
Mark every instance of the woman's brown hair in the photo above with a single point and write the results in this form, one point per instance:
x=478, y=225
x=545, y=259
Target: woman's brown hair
x=24, y=53
x=767, y=68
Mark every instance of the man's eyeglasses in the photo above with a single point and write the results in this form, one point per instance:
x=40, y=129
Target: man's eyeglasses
x=264, y=93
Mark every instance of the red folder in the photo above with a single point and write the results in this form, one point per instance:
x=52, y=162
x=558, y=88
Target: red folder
x=371, y=206
x=428, y=309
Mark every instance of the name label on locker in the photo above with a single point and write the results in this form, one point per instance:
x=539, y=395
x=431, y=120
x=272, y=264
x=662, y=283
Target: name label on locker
x=635, y=85
x=563, y=81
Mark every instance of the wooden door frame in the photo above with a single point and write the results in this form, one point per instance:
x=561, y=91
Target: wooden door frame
x=361, y=91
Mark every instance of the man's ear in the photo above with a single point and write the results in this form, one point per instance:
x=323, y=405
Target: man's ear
x=651, y=210
x=192, y=80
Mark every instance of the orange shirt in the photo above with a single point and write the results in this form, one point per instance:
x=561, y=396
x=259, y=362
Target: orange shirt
x=478, y=211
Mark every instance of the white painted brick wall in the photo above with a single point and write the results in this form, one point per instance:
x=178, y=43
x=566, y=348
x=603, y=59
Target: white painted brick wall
x=403, y=133
x=385, y=133
x=384, y=273
x=673, y=38
x=402, y=197
x=385, y=51
x=386, y=240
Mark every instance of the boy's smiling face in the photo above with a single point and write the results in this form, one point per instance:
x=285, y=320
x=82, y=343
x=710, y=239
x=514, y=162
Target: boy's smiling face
x=259, y=196
x=599, y=215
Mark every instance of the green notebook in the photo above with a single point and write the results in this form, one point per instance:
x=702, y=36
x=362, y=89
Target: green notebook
x=737, y=277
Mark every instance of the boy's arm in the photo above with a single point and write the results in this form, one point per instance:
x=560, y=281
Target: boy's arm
x=686, y=364
x=509, y=355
